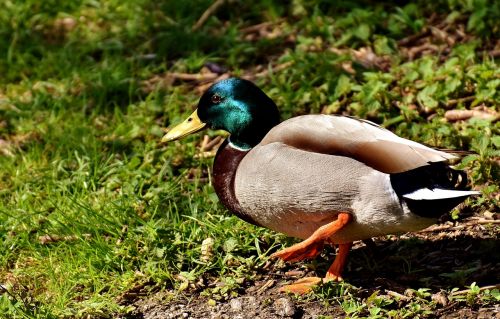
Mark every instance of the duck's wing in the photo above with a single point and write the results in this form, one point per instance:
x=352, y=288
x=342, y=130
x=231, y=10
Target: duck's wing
x=359, y=139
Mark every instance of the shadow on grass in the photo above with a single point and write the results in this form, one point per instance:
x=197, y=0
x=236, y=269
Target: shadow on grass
x=439, y=263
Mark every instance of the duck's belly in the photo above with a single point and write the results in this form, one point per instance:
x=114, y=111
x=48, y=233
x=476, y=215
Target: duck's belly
x=295, y=192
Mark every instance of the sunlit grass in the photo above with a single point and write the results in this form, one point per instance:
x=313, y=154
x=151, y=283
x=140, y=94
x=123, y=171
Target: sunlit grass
x=92, y=205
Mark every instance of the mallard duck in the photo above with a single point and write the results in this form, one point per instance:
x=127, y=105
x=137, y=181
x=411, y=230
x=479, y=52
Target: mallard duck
x=320, y=178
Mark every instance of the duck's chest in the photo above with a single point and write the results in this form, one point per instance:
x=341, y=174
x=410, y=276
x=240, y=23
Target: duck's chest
x=281, y=188
x=225, y=165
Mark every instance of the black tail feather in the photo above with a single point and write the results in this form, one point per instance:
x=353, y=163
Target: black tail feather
x=433, y=208
x=435, y=175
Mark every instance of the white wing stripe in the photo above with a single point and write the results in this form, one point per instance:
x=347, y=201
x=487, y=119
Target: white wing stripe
x=438, y=193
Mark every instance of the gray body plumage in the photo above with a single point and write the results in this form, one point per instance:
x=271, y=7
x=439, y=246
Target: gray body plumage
x=295, y=192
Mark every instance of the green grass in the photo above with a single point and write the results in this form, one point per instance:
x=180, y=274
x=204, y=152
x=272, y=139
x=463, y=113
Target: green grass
x=91, y=205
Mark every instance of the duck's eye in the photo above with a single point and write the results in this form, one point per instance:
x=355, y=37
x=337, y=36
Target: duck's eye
x=216, y=99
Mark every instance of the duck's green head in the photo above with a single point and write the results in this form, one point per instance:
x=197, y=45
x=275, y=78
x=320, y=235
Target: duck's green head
x=235, y=105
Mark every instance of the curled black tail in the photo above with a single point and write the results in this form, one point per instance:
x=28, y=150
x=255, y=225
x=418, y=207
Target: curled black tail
x=432, y=190
x=435, y=175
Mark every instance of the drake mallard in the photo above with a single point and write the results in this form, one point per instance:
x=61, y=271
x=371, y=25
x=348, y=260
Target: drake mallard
x=321, y=178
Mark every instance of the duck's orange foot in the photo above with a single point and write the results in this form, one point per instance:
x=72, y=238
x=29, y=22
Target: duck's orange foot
x=307, y=284
x=332, y=277
x=302, y=286
x=303, y=250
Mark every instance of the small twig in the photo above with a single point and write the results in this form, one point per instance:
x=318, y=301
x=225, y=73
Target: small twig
x=207, y=154
x=494, y=53
x=193, y=77
x=277, y=68
x=414, y=51
x=204, y=142
x=413, y=37
x=461, y=115
x=466, y=291
x=450, y=306
x=482, y=221
x=435, y=228
x=265, y=286
x=211, y=144
x=453, y=102
x=204, y=17
x=397, y=295
x=338, y=51
x=257, y=27
x=48, y=239
x=458, y=227
x=294, y=273
x=266, y=72
x=442, y=35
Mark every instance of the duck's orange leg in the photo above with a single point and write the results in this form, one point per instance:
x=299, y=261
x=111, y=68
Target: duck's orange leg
x=335, y=270
x=313, y=245
x=310, y=248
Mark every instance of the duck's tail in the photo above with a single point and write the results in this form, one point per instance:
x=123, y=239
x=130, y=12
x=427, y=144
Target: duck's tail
x=432, y=190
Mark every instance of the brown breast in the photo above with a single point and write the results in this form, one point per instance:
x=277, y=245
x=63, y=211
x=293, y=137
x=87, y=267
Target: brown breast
x=226, y=163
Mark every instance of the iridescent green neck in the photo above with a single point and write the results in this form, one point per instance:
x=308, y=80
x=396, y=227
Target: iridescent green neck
x=240, y=108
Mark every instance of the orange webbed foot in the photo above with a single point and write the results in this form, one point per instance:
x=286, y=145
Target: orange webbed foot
x=307, y=284
x=300, y=251
x=302, y=286
x=332, y=277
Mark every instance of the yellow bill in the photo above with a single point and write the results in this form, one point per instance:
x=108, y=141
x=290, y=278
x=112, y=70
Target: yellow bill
x=191, y=125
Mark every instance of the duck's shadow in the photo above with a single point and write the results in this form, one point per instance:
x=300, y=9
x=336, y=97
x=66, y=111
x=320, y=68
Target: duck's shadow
x=437, y=263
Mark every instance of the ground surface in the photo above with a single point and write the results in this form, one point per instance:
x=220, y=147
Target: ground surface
x=442, y=257
x=98, y=219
